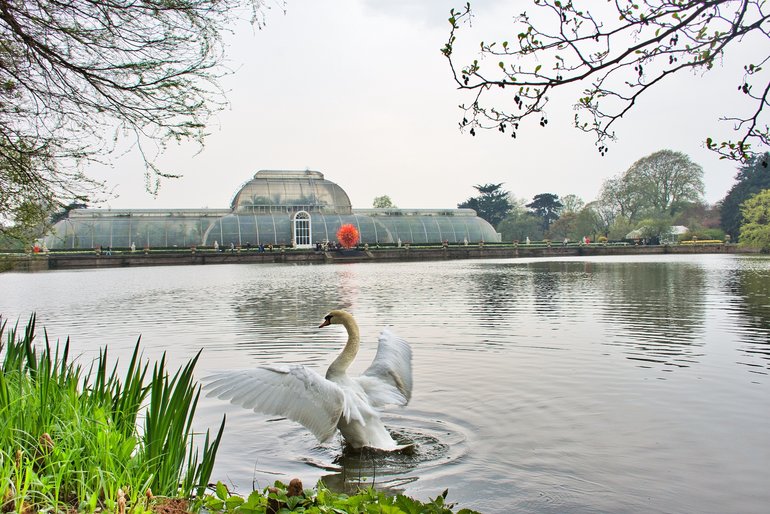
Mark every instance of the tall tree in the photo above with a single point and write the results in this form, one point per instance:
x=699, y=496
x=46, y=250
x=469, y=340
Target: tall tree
x=383, y=202
x=564, y=227
x=604, y=215
x=78, y=75
x=619, y=54
x=666, y=181
x=755, y=230
x=546, y=207
x=750, y=180
x=622, y=200
x=576, y=225
x=657, y=186
x=520, y=225
x=493, y=204
x=571, y=204
x=588, y=223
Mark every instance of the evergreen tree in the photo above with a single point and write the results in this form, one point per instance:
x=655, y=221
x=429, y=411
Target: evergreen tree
x=546, y=206
x=493, y=204
x=751, y=179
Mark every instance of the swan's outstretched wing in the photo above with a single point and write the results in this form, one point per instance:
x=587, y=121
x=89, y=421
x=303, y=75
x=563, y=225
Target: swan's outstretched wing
x=296, y=392
x=389, y=378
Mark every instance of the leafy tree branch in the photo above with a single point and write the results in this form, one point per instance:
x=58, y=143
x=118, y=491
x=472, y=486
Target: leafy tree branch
x=619, y=56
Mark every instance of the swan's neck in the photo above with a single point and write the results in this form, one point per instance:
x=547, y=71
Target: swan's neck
x=344, y=359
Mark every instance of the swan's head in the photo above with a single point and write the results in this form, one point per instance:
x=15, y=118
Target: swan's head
x=335, y=317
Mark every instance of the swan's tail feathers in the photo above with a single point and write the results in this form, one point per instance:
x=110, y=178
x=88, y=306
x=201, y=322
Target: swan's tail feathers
x=389, y=378
x=296, y=392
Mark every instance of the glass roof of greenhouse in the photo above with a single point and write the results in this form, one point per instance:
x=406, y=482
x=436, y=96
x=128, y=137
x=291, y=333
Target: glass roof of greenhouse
x=280, y=190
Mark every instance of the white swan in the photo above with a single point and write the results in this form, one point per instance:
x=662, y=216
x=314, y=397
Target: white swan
x=338, y=401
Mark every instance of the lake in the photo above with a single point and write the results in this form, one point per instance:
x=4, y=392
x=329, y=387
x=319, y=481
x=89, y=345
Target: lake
x=613, y=384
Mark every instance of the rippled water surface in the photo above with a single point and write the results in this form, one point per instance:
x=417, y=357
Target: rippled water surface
x=633, y=384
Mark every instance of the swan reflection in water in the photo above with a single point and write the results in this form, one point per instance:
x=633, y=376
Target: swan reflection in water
x=336, y=402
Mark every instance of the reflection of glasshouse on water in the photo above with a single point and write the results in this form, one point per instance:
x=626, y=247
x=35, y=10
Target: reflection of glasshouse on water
x=294, y=208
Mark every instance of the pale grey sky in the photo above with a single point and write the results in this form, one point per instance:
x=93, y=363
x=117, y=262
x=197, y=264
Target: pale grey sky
x=358, y=90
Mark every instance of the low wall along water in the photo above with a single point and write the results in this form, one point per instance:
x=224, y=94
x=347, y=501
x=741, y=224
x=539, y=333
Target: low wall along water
x=169, y=257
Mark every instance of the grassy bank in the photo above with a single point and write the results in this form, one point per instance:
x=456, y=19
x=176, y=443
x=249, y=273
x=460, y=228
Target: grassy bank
x=84, y=439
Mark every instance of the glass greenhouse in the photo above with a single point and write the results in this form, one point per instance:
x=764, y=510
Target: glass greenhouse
x=293, y=208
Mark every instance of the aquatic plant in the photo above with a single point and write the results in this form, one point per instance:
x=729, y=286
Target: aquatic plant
x=70, y=437
x=292, y=498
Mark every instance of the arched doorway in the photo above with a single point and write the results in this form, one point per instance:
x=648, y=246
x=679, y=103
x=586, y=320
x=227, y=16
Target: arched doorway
x=303, y=237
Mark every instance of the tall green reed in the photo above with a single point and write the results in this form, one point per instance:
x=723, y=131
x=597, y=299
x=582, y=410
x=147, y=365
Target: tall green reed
x=70, y=436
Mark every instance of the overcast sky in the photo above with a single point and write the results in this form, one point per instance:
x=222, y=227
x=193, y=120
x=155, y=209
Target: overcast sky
x=358, y=90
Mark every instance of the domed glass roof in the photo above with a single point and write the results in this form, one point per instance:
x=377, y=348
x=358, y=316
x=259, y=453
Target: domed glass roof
x=289, y=191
